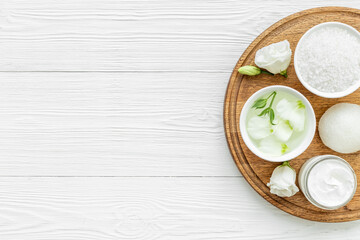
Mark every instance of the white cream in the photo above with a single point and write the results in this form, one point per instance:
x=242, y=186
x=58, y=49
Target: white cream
x=327, y=181
x=331, y=183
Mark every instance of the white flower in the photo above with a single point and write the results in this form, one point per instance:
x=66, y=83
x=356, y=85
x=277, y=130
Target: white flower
x=294, y=112
x=272, y=146
x=259, y=127
x=282, y=181
x=283, y=130
x=275, y=58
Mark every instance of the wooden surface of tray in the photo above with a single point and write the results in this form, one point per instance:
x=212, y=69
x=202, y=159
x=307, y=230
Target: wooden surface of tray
x=257, y=171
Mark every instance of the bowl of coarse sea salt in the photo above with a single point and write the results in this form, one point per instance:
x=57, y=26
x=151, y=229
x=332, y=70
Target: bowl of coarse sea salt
x=327, y=60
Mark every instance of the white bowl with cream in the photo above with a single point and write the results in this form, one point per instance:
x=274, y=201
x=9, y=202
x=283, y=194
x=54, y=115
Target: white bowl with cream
x=309, y=130
x=327, y=181
x=327, y=59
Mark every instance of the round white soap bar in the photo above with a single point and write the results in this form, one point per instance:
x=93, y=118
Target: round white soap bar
x=339, y=128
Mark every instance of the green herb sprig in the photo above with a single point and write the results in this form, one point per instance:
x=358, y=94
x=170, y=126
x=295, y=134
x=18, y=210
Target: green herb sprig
x=262, y=102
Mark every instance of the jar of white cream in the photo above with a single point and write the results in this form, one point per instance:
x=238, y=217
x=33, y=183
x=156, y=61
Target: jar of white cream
x=327, y=181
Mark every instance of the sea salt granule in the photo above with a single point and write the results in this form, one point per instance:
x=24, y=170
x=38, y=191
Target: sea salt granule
x=329, y=59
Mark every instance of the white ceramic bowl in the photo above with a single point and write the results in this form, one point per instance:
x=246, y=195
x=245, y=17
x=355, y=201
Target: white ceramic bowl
x=310, y=130
x=298, y=73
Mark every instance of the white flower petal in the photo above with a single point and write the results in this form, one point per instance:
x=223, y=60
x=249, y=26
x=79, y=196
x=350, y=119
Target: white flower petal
x=292, y=111
x=284, y=107
x=259, y=127
x=282, y=181
x=283, y=130
x=285, y=174
x=281, y=192
x=275, y=58
x=297, y=119
x=270, y=145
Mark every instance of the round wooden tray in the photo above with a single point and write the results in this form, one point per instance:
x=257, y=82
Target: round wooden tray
x=258, y=171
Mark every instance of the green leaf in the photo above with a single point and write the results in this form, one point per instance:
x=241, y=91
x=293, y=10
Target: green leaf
x=272, y=116
x=264, y=112
x=260, y=103
x=284, y=73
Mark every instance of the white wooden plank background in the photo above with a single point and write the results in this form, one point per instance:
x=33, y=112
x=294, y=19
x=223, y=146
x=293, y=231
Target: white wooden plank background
x=111, y=121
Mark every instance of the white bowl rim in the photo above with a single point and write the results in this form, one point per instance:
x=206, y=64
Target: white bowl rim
x=311, y=119
x=344, y=93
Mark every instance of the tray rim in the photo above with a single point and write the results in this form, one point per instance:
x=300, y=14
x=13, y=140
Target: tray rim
x=244, y=168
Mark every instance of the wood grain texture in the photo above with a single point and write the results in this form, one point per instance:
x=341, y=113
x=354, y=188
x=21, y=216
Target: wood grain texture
x=113, y=124
x=149, y=208
x=157, y=35
x=256, y=170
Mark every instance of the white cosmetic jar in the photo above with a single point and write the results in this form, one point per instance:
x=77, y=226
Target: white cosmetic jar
x=327, y=181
